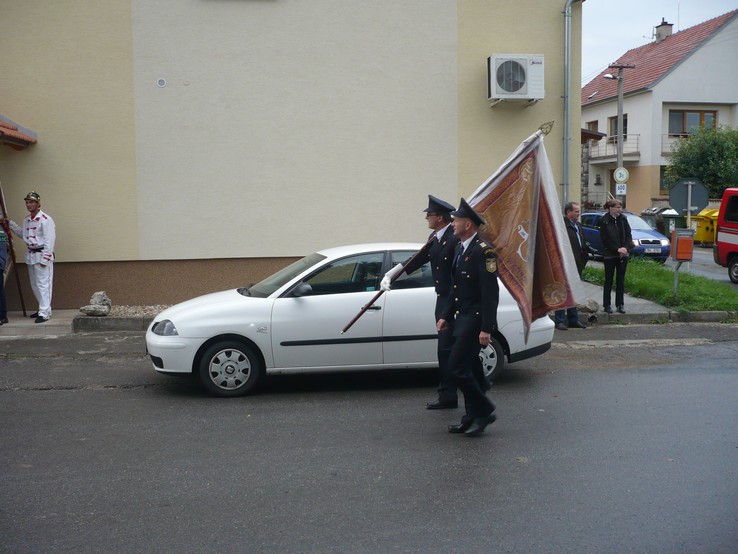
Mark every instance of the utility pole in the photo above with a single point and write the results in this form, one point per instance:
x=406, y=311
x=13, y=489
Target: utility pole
x=620, y=68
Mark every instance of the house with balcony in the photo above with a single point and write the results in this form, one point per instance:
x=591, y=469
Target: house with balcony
x=670, y=87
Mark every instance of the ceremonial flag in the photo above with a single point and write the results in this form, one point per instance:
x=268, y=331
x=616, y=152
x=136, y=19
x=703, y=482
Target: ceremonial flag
x=525, y=224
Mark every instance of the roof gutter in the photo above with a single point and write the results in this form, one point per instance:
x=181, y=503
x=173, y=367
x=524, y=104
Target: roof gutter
x=567, y=97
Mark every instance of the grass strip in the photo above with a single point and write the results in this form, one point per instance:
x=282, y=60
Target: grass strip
x=655, y=282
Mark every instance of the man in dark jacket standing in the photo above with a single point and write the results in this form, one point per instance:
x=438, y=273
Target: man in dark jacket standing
x=617, y=242
x=569, y=318
x=472, y=307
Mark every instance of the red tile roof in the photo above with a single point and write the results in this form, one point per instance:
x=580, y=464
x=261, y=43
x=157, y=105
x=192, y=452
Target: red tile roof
x=15, y=136
x=653, y=61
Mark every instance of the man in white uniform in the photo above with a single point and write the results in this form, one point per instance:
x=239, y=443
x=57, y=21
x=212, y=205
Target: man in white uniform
x=39, y=234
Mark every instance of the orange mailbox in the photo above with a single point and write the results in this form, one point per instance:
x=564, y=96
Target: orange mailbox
x=682, y=242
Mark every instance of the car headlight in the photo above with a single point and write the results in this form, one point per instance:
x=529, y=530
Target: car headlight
x=636, y=242
x=664, y=242
x=165, y=328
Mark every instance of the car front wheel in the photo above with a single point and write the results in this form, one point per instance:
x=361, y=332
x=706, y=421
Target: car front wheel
x=493, y=359
x=230, y=368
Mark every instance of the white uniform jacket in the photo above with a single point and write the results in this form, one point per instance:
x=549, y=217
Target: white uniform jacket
x=39, y=234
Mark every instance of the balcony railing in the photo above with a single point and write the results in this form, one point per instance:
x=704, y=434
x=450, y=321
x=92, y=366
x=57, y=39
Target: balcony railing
x=668, y=140
x=607, y=147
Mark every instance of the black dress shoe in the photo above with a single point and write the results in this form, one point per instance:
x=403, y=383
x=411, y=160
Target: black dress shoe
x=41, y=319
x=621, y=310
x=607, y=309
x=562, y=327
x=441, y=405
x=479, y=424
x=34, y=315
x=461, y=427
x=4, y=320
x=577, y=325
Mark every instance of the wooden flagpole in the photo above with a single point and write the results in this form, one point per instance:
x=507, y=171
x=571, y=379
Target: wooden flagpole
x=13, y=264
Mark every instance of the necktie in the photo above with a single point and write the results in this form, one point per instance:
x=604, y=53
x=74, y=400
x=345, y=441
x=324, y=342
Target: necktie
x=458, y=256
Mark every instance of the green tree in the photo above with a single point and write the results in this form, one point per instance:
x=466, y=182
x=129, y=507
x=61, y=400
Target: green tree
x=710, y=155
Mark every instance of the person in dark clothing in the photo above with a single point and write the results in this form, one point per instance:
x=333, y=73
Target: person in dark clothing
x=472, y=307
x=441, y=256
x=617, y=242
x=569, y=318
x=3, y=265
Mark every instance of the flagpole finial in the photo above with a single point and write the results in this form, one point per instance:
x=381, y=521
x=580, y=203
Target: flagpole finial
x=546, y=127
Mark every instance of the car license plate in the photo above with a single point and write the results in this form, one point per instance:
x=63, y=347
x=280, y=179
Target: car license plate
x=652, y=250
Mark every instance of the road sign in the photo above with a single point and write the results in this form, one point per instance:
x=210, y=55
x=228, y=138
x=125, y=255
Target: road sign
x=692, y=188
x=621, y=175
x=620, y=189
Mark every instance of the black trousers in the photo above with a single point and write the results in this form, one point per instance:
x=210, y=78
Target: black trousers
x=462, y=361
x=614, y=267
x=447, y=383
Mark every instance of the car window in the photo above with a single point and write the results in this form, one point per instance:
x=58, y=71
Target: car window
x=264, y=288
x=587, y=220
x=419, y=278
x=731, y=209
x=638, y=223
x=352, y=274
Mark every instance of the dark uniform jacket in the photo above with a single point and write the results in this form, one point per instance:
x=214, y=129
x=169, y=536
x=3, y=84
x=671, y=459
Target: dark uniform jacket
x=578, y=244
x=476, y=292
x=441, y=257
x=615, y=233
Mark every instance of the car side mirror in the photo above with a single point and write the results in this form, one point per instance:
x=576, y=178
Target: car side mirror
x=303, y=289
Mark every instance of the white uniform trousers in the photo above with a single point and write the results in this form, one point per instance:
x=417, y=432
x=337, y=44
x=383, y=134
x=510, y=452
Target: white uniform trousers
x=42, y=279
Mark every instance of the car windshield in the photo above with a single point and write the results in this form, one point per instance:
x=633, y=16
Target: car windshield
x=264, y=288
x=638, y=223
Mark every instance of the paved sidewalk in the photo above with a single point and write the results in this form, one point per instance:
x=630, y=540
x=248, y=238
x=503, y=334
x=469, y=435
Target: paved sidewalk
x=66, y=322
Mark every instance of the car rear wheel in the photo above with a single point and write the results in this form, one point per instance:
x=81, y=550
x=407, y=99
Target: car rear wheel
x=733, y=269
x=230, y=368
x=493, y=359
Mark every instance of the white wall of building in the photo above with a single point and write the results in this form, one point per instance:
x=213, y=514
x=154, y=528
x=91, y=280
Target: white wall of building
x=294, y=125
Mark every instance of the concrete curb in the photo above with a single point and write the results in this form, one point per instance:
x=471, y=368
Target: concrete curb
x=87, y=324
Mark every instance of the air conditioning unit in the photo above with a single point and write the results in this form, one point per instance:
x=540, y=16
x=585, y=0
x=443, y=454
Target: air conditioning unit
x=515, y=77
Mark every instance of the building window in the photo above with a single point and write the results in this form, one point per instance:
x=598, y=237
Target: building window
x=612, y=126
x=684, y=122
x=663, y=183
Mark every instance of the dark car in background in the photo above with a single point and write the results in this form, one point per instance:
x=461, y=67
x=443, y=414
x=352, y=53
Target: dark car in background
x=649, y=243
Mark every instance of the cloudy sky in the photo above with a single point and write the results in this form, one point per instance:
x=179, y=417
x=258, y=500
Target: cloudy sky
x=612, y=27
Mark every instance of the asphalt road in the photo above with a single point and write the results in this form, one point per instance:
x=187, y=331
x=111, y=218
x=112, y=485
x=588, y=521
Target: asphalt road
x=703, y=264
x=620, y=439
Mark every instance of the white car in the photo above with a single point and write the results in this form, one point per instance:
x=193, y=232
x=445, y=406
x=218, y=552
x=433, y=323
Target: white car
x=292, y=322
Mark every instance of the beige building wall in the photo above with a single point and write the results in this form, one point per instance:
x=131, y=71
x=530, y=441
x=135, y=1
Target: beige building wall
x=488, y=135
x=190, y=146
x=67, y=74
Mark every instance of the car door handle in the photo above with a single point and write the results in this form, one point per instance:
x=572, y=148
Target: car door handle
x=374, y=307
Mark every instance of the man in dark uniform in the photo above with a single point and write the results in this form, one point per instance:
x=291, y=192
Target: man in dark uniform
x=570, y=317
x=441, y=256
x=473, y=309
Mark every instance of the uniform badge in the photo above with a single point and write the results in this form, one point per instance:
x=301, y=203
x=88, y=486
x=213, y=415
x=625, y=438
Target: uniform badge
x=492, y=265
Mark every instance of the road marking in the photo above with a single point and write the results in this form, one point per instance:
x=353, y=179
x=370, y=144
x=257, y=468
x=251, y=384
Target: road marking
x=637, y=343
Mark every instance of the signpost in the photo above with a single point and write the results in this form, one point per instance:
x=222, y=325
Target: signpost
x=621, y=181
x=689, y=196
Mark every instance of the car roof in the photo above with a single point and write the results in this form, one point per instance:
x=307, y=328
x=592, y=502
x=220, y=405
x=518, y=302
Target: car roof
x=340, y=251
